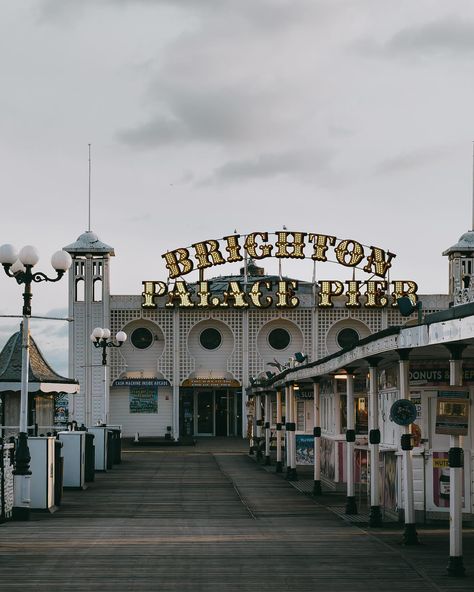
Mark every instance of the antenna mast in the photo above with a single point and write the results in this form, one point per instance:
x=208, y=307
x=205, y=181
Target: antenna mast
x=89, y=226
x=472, y=226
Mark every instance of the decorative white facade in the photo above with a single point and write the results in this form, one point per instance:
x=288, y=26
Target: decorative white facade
x=198, y=389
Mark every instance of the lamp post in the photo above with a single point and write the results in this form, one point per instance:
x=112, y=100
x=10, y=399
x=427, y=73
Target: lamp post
x=20, y=266
x=101, y=339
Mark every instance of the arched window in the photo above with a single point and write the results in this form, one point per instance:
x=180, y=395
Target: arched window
x=80, y=290
x=97, y=291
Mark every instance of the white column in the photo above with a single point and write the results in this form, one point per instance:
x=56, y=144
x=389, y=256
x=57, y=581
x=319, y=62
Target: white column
x=292, y=433
x=455, y=565
x=258, y=418
x=317, y=437
x=278, y=431
x=267, y=428
x=351, y=506
x=337, y=410
x=245, y=369
x=176, y=371
x=22, y=473
x=89, y=355
x=375, y=517
x=294, y=416
x=410, y=536
x=106, y=397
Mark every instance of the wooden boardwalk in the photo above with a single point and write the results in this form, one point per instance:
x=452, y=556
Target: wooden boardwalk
x=181, y=519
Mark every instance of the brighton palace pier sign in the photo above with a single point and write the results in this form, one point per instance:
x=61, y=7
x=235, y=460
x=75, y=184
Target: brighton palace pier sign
x=282, y=293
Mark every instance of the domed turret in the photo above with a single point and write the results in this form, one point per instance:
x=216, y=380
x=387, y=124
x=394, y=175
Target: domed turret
x=461, y=269
x=89, y=296
x=89, y=242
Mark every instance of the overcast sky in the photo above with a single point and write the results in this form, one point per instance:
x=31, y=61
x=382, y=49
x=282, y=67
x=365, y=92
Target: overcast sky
x=350, y=118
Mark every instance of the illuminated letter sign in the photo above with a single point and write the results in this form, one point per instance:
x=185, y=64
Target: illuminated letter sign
x=178, y=262
x=234, y=248
x=208, y=250
x=288, y=244
x=251, y=245
x=296, y=245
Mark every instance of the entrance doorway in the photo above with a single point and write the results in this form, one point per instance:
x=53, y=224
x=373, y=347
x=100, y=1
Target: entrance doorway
x=204, y=418
x=211, y=412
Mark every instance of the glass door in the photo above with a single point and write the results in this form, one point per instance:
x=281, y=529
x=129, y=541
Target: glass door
x=232, y=413
x=205, y=413
x=222, y=413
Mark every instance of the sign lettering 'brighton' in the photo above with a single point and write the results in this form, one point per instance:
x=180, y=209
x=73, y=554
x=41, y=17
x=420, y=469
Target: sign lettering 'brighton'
x=264, y=293
x=289, y=245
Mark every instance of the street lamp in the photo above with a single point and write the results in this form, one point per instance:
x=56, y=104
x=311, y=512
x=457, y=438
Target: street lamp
x=101, y=338
x=20, y=266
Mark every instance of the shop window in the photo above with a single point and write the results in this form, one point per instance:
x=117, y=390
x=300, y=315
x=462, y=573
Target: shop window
x=274, y=413
x=141, y=338
x=210, y=338
x=361, y=415
x=300, y=416
x=343, y=412
x=279, y=339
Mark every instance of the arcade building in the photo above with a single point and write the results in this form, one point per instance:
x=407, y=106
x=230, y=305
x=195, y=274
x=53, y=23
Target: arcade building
x=195, y=348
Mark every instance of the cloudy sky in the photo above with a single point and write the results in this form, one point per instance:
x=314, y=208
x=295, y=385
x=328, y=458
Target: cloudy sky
x=345, y=117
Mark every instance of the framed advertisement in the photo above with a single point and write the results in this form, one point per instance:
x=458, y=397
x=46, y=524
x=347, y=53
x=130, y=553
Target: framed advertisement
x=304, y=449
x=143, y=399
x=452, y=411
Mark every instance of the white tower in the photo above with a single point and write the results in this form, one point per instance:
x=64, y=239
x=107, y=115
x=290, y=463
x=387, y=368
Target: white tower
x=461, y=269
x=89, y=306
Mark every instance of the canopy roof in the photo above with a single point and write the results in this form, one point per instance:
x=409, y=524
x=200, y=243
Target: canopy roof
x=432, y=339
x=465, y=244
x=89, y=243
x=41, y=377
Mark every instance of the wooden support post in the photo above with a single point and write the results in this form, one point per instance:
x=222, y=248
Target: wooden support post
x=375, y=515
x=279, y=467
x=351, y=506
x=456, y=461
x=410, y=536
x=317, y=437
x=267, y=428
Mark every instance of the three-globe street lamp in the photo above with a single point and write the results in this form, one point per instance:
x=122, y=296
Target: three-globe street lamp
x=101, y=339
x=20, y=267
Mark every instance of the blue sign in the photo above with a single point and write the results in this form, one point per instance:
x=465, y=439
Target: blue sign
x=304, y=449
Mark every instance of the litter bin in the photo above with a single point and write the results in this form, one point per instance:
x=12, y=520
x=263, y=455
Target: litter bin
x=110, y=449
x=89, y=471
x=42, y=463
x=101, y=448
x=74, y=459
x=116, y=446
x=59, y=473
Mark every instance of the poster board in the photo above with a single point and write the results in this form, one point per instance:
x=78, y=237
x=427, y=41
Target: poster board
x=452, y=412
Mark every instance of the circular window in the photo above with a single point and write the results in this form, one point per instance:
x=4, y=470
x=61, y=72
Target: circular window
x=279, y=338
x=141, y=338
x=347, y=338
x=210, y=338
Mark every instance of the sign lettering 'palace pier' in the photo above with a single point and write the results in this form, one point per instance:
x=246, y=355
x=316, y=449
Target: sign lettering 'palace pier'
x=262, y=293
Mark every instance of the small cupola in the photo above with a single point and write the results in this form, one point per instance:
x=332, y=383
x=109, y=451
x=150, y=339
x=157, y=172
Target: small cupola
x=461, y=269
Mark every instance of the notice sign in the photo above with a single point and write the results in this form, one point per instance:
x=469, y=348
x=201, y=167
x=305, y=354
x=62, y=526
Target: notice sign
x=143, y=399
x=452, y=412
x=61, y=409
x=304, y=449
